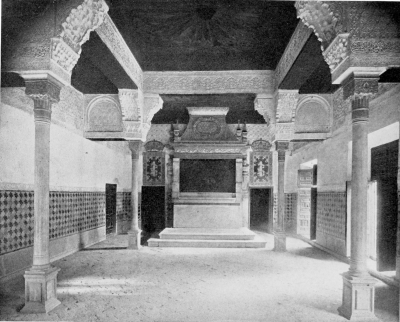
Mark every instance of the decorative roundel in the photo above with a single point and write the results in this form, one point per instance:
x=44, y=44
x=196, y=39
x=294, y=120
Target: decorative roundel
x=207, y=126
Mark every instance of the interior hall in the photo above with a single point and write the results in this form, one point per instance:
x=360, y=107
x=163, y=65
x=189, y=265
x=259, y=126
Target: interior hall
x=188, y=160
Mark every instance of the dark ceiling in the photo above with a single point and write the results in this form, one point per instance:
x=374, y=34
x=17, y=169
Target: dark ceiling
x=241, y=107
x=188, y=35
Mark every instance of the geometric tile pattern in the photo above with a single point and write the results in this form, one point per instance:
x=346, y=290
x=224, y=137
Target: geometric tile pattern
x=124, y=208
x=331, y=214
x=72, y=212
x=290, y=212
x=16, y=220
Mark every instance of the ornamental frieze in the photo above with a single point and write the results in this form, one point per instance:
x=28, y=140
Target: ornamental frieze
x=208, y=82
x=210, y=149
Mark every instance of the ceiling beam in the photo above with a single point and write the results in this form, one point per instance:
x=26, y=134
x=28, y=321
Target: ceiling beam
x=292, y=51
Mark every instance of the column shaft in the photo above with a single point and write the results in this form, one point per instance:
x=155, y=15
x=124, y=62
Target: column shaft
x=42, y=113
x=134, y=232
x=359, y=187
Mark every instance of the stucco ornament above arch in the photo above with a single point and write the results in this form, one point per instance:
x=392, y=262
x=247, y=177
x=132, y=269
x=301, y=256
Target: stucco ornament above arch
x=66, y=48
x=313, y=115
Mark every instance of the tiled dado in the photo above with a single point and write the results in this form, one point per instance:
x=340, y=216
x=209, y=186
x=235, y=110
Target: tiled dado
x=291, y=212
x=331, y=214
x=70, y=212
x=124, y=207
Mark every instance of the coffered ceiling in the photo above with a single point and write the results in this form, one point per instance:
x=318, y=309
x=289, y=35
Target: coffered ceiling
x=188, y=35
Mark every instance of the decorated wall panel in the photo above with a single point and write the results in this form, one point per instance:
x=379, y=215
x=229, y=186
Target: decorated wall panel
x=261, y=164
x=154, y=164
x=331, y=214
x=124, y=206
x=291, y=212
x=304, y=212
x=70, y=213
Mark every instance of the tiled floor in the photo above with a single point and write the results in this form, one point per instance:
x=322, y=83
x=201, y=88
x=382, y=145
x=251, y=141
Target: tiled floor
x=189, y=284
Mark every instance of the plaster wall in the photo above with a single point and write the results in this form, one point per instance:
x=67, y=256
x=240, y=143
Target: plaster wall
x=75, y=162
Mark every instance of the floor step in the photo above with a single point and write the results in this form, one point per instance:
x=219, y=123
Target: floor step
x=257, y=242
x=206, y=234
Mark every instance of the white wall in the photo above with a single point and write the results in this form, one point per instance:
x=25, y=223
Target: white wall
x=75, y=162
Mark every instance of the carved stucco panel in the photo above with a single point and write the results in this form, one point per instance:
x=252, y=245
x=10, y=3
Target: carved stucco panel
x=287, y=102
x=104, y=115
x=130, y=104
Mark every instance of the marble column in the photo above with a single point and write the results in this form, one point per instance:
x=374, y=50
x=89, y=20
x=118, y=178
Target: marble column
x=279, y=229
x=358, y=285
x=134, y=232
x=41, y=279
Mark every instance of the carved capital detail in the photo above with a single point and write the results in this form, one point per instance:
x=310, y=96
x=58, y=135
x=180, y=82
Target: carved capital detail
x=360, y=86
x=360, y=109
x=136, y=149
x=281, y=147
x=42, y=89
x=81, y=21
x=337, y=51
x=44, y=93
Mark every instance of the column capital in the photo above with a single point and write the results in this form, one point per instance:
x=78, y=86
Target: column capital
x=281, y=147
x=44, y=92
x=361, y=82
x=136, y=149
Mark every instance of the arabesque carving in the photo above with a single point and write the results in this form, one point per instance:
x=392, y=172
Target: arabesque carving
x=337, y=51
x=81, y=21
x=63, y=54
x=287, y=102
x=312, y=115
x=130, y=104
x=209, y=82
x=266, y=107
x=320, y=17
x=104, y=115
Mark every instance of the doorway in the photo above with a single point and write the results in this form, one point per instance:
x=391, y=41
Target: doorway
x=153, y=209
x=111, y=208
x=313, y=214
x=384, y=167
x=261, y=209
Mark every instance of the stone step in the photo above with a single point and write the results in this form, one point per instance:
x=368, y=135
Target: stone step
x=207, y=234
x=256, y=243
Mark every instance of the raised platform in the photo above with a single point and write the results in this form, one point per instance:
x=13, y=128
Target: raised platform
x=207, y=238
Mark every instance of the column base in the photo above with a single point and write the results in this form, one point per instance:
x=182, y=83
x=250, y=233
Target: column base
x=134, y=239
x=40, y=290
x=279, y=241
x=358, y=298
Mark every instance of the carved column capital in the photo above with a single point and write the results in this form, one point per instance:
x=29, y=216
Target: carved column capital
x=281, y=147
x=44, y=92
x=136, y=149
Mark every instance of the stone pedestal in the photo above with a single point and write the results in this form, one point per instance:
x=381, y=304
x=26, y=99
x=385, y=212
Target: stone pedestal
x=41, y=279
x=279, y=229
x=134, y=232
x=358, y=298
x=40, y=290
